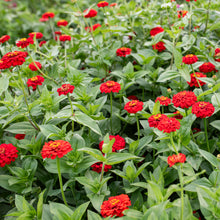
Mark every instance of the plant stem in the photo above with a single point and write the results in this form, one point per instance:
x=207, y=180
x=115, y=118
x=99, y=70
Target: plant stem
x=182, y=190
x=206, y=23
x=102, y=172
x=138, y=127
x=60, y=180
x=190, y=19
x=111, y=113
x=172, y=142
x=65, y=52
x=206, y=134
x=71, y=105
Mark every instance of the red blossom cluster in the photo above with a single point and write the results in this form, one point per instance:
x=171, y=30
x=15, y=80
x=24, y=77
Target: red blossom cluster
x=159, y=46
x=163, y=100
x=62, y=23
x=65, y=89
x=217, y=55
x=65, y=37
x=123, y=51
x=24, y=42
x=190, y=59
x=102, y=4
x=46, y=16
x=168, y=125
x=133, y=106
x=4, y=38
x=38, y=35
x=179, y=158
x=181, y=13
x=110, y=86
x=207, y=67
x=154, y=120
x=97, y=167
x=155, y=31
x=90, y=14
x=34, y=66
x=8, y=153
x=94, y=27
x=35, y=81
x=203, y=109
x=193, y=81
x=20, y=136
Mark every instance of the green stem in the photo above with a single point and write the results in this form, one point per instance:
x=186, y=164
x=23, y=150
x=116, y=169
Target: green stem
x=206, y=23
x=182, y=190
x=60, y=181
x=72, y=111
x=65, y=52
x=138, y=126
x=186, y=112
x=172, y=142
x=190, y=19
x=206, y=134
x=196, y=77
x=111, y=112
x=102, y=172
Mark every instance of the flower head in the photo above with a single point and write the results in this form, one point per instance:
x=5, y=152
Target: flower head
x=20, y=136
x=62, y=23
x=33, y=66
x=123, y=51
x=181, y=13
x=163, y=100
x=4, y=38
x=194, y=82
x=102, y=4
x=115, y=206
x=35, y=81
x=133, y=106
x=42, y=43
x=155, y=31
x=113, y=4
x=65, y=89
x=207, y=67
x=168, y=125
x=184, y=99
x=154, y=120
x=65, y=37
x=159, y=46
x=110, y=86
x=54, y=149
x=217, y=55
x=48, y=15
x=97, y=167
x=90, y=14
x=24, y=42
x=203, y=109
x=8, y=153
x=132, y=97
x=94, y=27
x=177, y=115
x=179, y=158
x=190, y=59
x=38, y=35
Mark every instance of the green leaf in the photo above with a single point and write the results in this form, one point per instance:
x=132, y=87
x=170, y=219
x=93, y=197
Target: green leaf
x=216, y=124
x=167, y=75
x=133, y=214
x=155, y=195
x=4, y=82
x=95, y=153
x=50, y=131
x=210, y=158
x=85, y=181
x=40, y=205
x=21, y=128
x=115, y=158
x=93, y=216
x=156, y=108
x=78, y=213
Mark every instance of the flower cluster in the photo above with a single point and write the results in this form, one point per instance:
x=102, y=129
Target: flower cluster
x=181, y=13
x=216, y=56
x=110, y=86
x=8, y=153
x=102, y=4
x=34, y=66
x=168, y=125
x=155, y=31
x=46, y=16
x=159, y=46
x=190, y=59
x=62, y=23
x=97, y=167
x=94, y=27
x=65, y=37
x=133, y=106
x=123, y=51
x=90, y=14
x=163, y=100
x=203, y=109
x=35, y=81
x=4, y=38
x=179, y=158
x=154, y=120
x=193, y=81
x=65, y=89
x=24, y=42
x=20, y=136
x=207, y=67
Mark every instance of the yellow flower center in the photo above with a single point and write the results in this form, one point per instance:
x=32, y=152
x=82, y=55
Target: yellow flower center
x=189, y=55
x=12, y=54
x=114, y=201
x=110, y=84
x=2, y=150
x=163, y=98
x=34, y=78
x=156, y=117
x=55, y=144
x=23, y=39
x=202, y=104
x=133, y=103
x=64, y=88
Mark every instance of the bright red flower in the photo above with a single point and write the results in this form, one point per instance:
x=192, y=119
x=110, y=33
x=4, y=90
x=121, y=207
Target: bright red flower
x=133, y=106
x=168, y=125
x=32, y=66
x=58, y=32
x=184, y=99
x=38, y=35
x=163, y=100
x=207, y=67
x=113, y=4
x=179, y=158
x=132, y=97
x=65, y=37
x=110, y=86
x=123, y=51
x=65, y=89
x=191, y=0
x=42, y=43
x=159, y=46
x=155, y=31
x=43, y=19
x=217, y=54
x=181, y=13
x=177, y=115
x=62, y=23
x=190, y=59
x=154, y=120
x=102, y=4
x=4, y=38
x=118, y=144
x=8, y=153
x=97, y=167
x=20, y=136
x=24, y=42
x=94, y=27
x=90, y=14
x=194, y=82
x=35, y=81
x=115, y=206
x=54, y=149
x=48, y=15
x=203, y=109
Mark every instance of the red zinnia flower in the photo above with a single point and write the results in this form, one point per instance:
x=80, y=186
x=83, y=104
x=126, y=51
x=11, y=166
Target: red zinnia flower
x=156, y=30
x=4, y=38
x=42, y=43
x=168, y=125
x=65, y=89
x=182, y=13
x=20, y=136
x=110, y=86
x=24, y=42
x=118, y=144
x=32, y=66
x=62, y=23
x=48, y=15
x=159, y=46
x=179, y=158
x=154, y=120
x=217, y=54
x=65, y=37
x=94, y=27
x=43, y=19
x=177, y=115
x=207, y=67
x=163, y=100
x=115, y=205
x=90, y=14
x=133, y=106
x=191, y=0
x=54, y=149
x=203, y=109
x=35, y=81
x=123, y=51
x=184, y=99
x=97, y=167
x=194, y=82
x=38, y=35
x=58, y=32
x=102, y=4
x=132, y=97
x=190, y=59
x=113, y=4
x=8, y=153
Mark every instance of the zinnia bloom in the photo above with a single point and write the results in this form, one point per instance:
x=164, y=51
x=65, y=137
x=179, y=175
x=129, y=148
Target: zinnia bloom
x=113, y=4
x=97, y=167
x=123, y=52
x=65, y=37
x=32, y=66
x=163, y=100
x=216, y=56
x=182, y=13
x=156, y=30
x=203, y=109
x=102, y=4
x=4, y=38
x=154, y=120
x=54, y=149
x=184, y=99
x=94, y=27
x=207, y=67
x=179, y=158
x=35, y=81
x=159, y=46
x=168, y=125
x=133, y=106
x=177, y=115
x=42, y=43
x=118, y=144
x=110, y=86
x=115, y=205
x=20, y=136
x=43, y=19
x=90, y=14
x=8, y=153
x=65, y=89
x=58, y=32
x=38, y=35
x=194, y=82
x=132, y=97
x=62, y=23
x=190, y=59
x=48, y=15
x=24, y=42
